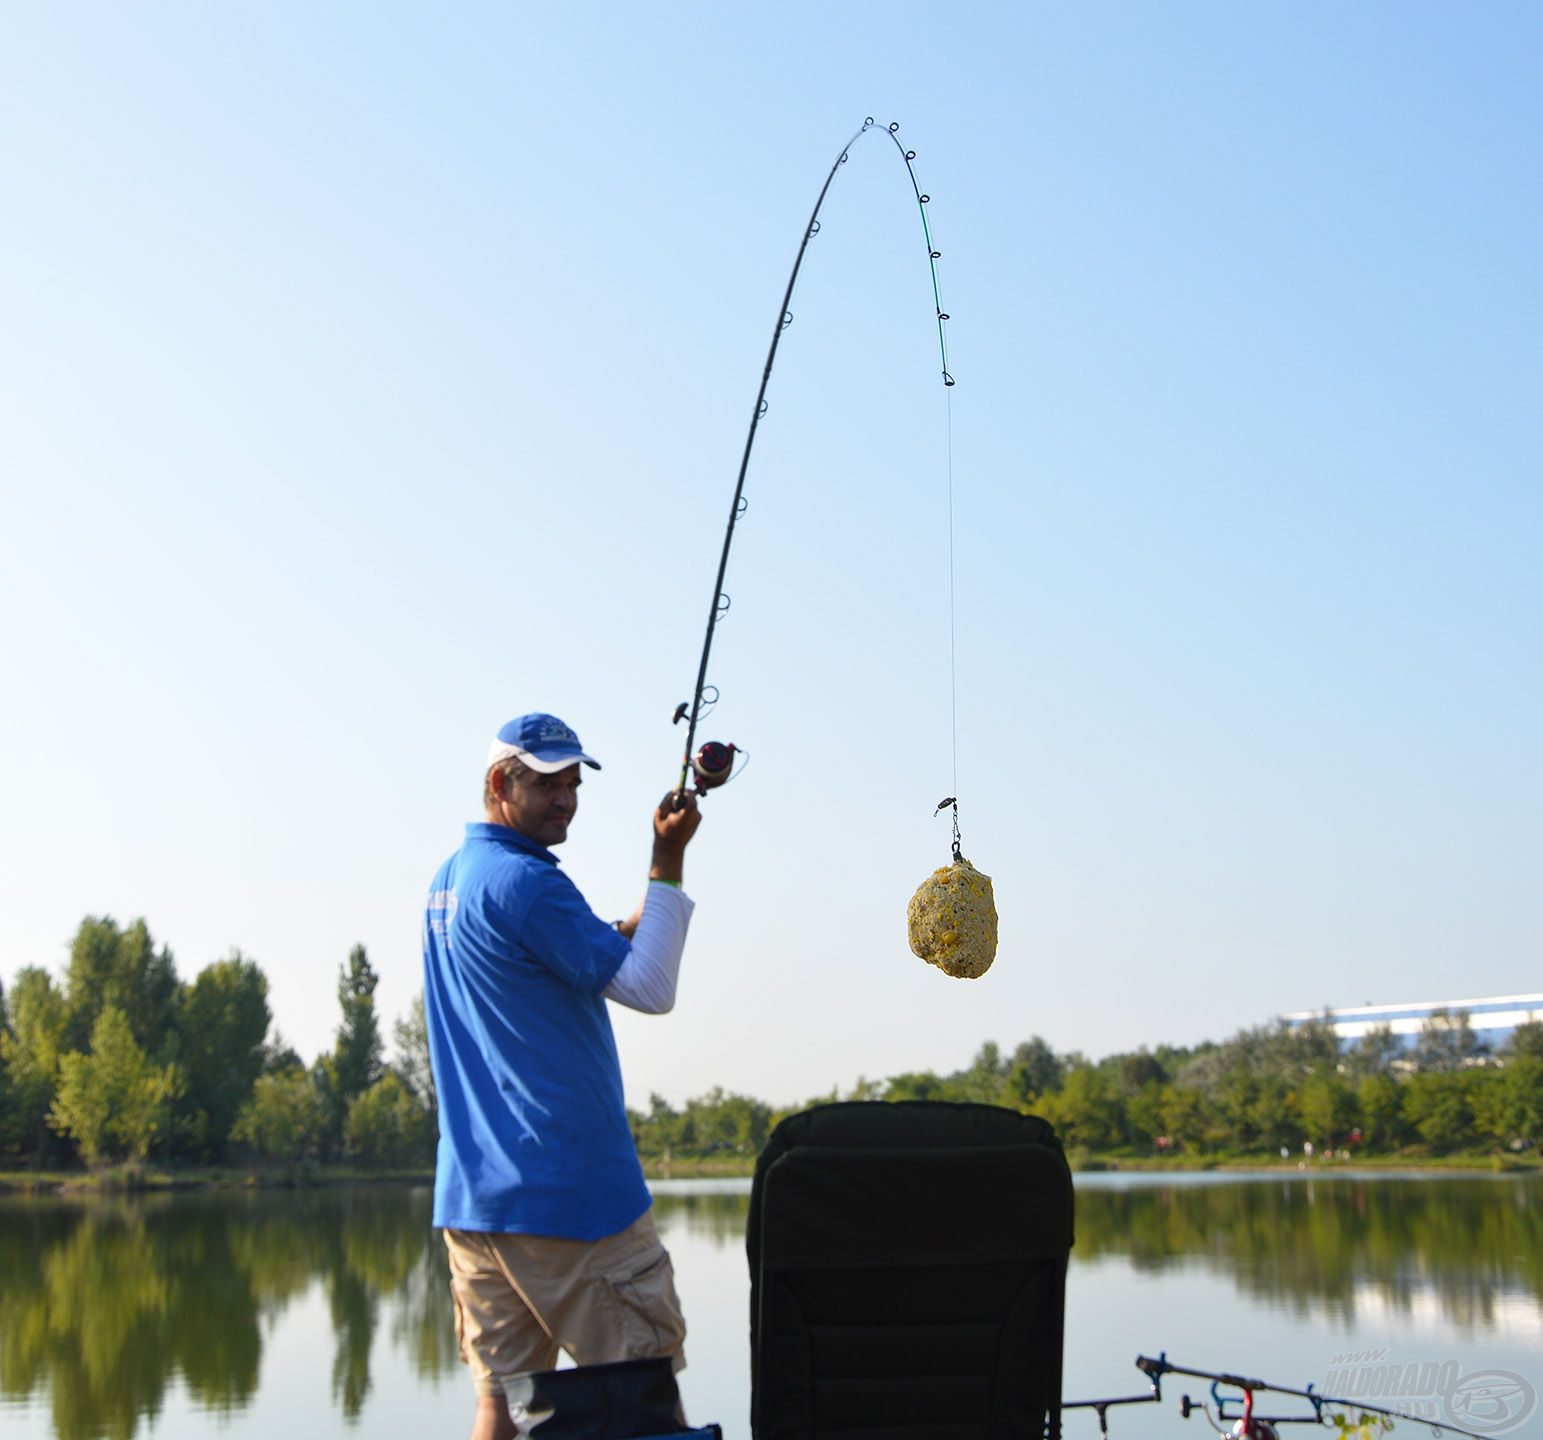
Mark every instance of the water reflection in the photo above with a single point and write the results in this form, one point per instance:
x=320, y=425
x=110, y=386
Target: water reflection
x=717, y=1216
x=105, y=1304
x=1327, y=1246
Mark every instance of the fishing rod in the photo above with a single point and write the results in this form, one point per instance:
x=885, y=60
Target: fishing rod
x=1241, y=1413
x=713, y=764
x=1160, y=1367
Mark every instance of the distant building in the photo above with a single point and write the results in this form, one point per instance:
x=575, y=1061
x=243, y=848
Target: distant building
x=1493, y=1019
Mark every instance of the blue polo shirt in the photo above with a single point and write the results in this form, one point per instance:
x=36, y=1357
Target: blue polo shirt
x=533, y=1133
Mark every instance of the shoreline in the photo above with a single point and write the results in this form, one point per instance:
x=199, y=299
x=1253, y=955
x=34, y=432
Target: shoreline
x=130, y=1181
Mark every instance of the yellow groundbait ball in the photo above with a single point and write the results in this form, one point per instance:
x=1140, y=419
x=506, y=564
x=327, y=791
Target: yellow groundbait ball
x=952, y=921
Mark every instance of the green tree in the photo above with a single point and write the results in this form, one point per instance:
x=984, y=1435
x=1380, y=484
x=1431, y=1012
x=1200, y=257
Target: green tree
x=355, y=1062
x=1486, y=1094
x=121, y=968
x=983, y=1081
x=732, y=1122
x=1375, y=1052
x=224, y=1022
x=1524, y=1098
x=1273, y=1113
x=387, y=1125
x=1436, y=1103
x=1526, y=1039
x=279, y=1056
x=1144, y=1112
x=357, y=1053
x=655, y=1133
x=284, y=1119
x=1328, y=1110
x=1446, y=1042
x=1378, y=1101
x=411, y=1037
x=1234, y=1108
x=914, y=1085
x=1183, y=1116
x=1206, y=1071
x=1511, y=1108
x=6, y=1103
x=1138, y=1070
x=31, y=1043
x=1296, y=1051
x=1033, y=1070
x=114, y=1100
x=1086, y=1109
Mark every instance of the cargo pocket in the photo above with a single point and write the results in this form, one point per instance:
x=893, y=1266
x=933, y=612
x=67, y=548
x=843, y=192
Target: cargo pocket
x=647, y=1308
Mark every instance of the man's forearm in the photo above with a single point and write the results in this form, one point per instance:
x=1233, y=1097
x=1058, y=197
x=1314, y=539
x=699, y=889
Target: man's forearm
x=668, y=864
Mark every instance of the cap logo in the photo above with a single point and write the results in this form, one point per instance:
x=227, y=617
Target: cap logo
x=542, y=741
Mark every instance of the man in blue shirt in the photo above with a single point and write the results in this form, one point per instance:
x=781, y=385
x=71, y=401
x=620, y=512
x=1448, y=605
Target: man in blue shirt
x=538, y=1187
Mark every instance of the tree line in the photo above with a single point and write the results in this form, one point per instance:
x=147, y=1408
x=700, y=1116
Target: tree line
x=122, y=1059
x=1267, y=1089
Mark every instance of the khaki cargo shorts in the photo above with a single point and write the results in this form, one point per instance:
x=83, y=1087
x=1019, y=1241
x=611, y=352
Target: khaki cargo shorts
x=521, y=1299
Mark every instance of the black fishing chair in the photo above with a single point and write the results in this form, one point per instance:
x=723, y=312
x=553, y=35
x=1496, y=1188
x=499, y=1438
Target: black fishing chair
x=908, y=1274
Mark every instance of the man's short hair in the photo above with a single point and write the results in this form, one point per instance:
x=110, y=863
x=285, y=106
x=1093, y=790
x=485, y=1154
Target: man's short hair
x=509, y=766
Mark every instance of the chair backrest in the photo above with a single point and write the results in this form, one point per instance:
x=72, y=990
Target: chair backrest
x=908, y=1274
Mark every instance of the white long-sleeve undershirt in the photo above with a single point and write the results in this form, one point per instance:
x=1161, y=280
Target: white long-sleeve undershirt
x=647, y=977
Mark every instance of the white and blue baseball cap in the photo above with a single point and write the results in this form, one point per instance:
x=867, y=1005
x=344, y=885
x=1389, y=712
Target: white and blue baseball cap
x=540, y=741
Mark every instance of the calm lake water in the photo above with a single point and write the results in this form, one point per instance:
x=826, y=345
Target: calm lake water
x=321, y=1313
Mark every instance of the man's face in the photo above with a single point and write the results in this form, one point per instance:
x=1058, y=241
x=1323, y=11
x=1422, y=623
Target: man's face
x=541, y=807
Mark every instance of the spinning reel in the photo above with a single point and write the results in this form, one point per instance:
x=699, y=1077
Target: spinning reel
x=713, y=765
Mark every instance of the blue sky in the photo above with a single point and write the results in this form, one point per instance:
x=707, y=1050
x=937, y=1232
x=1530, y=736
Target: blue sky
x=370, y=375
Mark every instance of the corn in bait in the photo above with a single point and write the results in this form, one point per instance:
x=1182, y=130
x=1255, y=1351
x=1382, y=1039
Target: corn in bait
x=951, y=921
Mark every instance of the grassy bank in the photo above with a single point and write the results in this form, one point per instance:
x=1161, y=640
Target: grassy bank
x=1489, y=1163
x=701, y=1168
x=1092, y=1162
x=125, y=1179
x=134, y=1180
